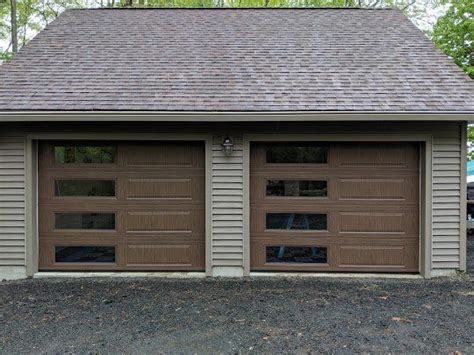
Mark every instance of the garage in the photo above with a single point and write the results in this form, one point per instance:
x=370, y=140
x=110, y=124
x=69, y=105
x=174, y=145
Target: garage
x=121, y=205
x=334, y=206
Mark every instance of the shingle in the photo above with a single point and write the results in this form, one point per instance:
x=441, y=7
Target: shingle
x=233, y=60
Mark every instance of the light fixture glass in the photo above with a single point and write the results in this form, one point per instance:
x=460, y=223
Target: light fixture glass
x=228, y=146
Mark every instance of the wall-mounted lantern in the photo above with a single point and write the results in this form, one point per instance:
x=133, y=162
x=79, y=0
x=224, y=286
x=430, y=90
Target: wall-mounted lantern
x=227, y=146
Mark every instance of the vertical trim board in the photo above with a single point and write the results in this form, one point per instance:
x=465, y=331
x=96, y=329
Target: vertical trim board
x=463, y=213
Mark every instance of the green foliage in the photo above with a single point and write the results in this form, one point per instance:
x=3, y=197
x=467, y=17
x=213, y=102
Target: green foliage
x=470, y=141
x=4, y=56
x=470, y=133
x=453, y=33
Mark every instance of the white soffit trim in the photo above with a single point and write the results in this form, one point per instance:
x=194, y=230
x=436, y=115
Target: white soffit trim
x=137, y=116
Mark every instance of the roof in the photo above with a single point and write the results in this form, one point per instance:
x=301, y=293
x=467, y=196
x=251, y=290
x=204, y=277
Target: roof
x=250, y=60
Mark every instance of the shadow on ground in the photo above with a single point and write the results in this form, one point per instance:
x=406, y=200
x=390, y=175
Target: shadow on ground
x=470, y=254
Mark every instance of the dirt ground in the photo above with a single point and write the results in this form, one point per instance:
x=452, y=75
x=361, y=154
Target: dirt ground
x=231, y=316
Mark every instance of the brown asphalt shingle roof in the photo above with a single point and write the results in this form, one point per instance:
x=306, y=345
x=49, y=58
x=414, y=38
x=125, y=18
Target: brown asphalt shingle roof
x=233, y=60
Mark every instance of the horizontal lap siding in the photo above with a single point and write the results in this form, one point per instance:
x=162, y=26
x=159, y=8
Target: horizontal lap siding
x=227, y=205
x=447, y=175
x=12, y=199
x=227, y=198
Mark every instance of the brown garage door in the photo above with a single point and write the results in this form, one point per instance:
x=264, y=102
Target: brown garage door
x=334, y=207
x=121, y=206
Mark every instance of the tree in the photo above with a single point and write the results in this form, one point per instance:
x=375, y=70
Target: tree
x=470, y=142
x=13, y=26
x=453, y=33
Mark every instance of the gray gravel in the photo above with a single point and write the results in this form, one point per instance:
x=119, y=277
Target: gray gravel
x=229, y=316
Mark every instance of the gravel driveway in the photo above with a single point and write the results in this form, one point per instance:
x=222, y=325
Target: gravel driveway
x=258, y=315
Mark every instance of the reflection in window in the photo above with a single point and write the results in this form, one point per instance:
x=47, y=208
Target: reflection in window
x=88, y=188
x=296, y=221
x=84, y=220
x=296, y=254
x=84, y=154
x=297, y=153
x=85, y=254
x=297, y=188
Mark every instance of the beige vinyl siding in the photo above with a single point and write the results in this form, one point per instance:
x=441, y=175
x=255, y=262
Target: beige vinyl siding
x=447, y=197
x=227, y=215
x=227, y=205
x=12, y=199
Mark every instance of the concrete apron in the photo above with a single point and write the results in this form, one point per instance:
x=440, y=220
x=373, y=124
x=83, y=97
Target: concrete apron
x=201, y=275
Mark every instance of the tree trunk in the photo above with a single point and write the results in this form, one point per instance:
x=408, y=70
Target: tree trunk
x=14, y=26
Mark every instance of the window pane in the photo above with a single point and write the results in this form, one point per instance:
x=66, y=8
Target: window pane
x=84, y=154
x=297, y=254
x=297, y=188
x=296, y=221
x=298, y=153
x=85, y=188
x=85, y=220
x=85, y=254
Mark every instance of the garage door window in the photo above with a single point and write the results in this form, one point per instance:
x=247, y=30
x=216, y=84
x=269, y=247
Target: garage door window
x=85, y=254
x=296, y=221
x=297, y=153
x=70, y=154
x=289, y=188
x=85, y=188
x=69, y=220
x=296, y=254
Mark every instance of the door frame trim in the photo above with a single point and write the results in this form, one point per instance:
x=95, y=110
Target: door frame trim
x=426, y=191
x=31, y=182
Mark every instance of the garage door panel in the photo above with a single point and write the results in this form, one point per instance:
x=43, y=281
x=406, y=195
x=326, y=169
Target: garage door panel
x=77, y=186
x=64, y=221
x=335, y=205
x=150, y=254
x=82, y=256
x=355, y=220
x=290, y=188
x=402, y=256
x=327, y=172
x=369, y=255
x=121, y=172
x=370, y=202
x=158, y=222
x=88, y=237
x=392, y=256
x=158, y=201
x=158, y=188
x=70, y=204
x=294, y=255
x=377, y=155
x=164, y=188
x=166, y=256
x=294, y=221
x=163, y=154
x=353, y=189
x=165, y=222
x=401, y=223
x=403, y=189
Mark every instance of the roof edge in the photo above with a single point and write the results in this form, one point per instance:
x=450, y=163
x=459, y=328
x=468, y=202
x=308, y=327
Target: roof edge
x=222, y=117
